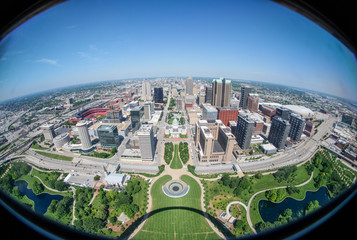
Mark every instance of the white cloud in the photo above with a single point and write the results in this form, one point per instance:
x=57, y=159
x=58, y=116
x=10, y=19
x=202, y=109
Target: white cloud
x=88, y=56
x=47, y=60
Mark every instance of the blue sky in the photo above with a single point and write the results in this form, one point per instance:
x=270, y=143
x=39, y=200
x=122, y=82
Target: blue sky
x=86, y=41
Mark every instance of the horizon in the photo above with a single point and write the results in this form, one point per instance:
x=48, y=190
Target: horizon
x=156, y=77
x=254, y=41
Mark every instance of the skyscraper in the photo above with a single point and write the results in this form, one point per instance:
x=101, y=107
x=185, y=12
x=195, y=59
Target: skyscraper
x=215, y=142
x=136, y=115
x=146, y=142
x=158, y=95
x=244, y=93
x=279, y=132
x=84, y=134
x=113, y=116
x=108, y=136
x=283, y=112
x=189, y=86
x=252, y=103
x=221, y=92
x=208, y=97
x=297, y=127
x=244, y=131
x=146, y=90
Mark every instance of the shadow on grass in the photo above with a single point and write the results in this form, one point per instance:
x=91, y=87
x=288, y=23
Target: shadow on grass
x=217, y=223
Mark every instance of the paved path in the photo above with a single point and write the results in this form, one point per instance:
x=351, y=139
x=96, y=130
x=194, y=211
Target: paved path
x=255, y=194
x=235, y=202
x=74, y=204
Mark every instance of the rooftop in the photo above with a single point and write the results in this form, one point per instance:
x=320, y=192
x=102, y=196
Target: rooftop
x=81, y=123
x=206, y=132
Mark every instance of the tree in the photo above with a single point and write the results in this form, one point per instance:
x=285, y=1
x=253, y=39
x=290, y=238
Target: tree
x=312, y=206
x=237, y=191
x=112, y=220
x=92, y=224
x=96, y=178
x=244, y=183
x=226, y=180
x=113, y=151
x=259, y=175
x=37, y=187
x=271, y=195
x=60, y=185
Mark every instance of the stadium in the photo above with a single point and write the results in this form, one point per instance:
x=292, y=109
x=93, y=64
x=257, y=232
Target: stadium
x=92, y=112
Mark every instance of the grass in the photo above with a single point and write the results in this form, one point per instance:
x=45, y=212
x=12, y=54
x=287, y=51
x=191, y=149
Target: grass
x=176, y=162
x=55, y=156
x=176, y=223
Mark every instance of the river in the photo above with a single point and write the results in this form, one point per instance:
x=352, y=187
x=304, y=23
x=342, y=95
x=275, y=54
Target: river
x=270, y=211
x=42, y=201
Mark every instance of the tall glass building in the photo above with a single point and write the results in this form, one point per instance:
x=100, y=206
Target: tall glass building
x=108, y=136
x=158, y=95
x=136, y=115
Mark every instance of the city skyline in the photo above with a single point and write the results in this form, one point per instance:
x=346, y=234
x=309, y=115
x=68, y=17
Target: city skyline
x=255, y=40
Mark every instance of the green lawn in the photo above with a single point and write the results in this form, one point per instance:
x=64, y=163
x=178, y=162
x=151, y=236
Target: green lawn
x=38, y=147
x=176, y=223
x=55, y=156
x=176, y=162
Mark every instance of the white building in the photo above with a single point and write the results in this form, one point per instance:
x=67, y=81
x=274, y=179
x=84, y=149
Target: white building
x=268, y=148
x=82, y=127
x=304, y=112
x=146, y=142
x=116, y=179
x=146, y=90
x=61, y=139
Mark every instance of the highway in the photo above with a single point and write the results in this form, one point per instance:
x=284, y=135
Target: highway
x=293, y=156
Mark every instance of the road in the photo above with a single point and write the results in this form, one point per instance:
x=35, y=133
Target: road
x=292, y=156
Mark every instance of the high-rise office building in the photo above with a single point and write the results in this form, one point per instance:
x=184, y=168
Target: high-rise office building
x=244, y=131
x=189, y=86
x=69, y=101
x=48, y=132
x=147, y=112
x=221, y=92
x=209, y=112
x=283, y=113
x=113, y=116
x=208, y=96
x=244, y=93
x=158, y=95
x=279, y=132
x=252, y=104
x=226, y=114
x=179, y=104
x=108, y=136
x=146, y=142
x=214, y=141
x=146, y=90
x=82, y=127
x=297, y=127
x=136, y=116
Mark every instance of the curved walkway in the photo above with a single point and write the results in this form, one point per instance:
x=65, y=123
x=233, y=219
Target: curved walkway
x=247, y=208
x=232, y=203
x=255, y=194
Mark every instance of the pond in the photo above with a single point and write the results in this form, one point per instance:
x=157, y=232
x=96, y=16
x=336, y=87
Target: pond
x=270, y=211
x=42, y=201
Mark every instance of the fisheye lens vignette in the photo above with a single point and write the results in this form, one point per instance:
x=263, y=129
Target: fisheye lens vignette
x=212, y=127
